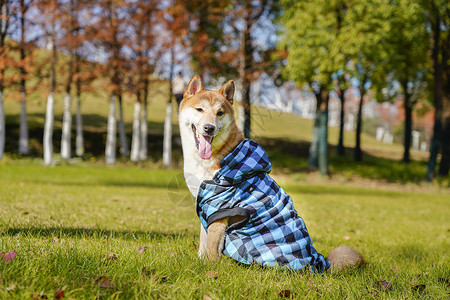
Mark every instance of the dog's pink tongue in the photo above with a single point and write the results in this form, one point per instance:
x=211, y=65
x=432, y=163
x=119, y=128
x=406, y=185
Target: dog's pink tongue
x=204, y=147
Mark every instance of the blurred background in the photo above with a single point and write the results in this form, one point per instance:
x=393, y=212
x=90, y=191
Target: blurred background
x=352, y=87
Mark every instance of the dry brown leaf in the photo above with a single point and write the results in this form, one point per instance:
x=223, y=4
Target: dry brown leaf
x=212, y=274
x=104, y=282
x=284, y=294
x=59, y=294
x=8, y=256
x=383, y=284
x=141, y=249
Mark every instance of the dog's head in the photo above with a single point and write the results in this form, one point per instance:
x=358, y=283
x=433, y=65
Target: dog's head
x=206, y=117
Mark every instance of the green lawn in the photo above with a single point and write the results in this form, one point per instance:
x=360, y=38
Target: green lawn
x=72, y=224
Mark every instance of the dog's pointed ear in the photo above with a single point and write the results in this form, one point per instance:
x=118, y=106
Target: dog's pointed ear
x=194, y=86
x=228, y=91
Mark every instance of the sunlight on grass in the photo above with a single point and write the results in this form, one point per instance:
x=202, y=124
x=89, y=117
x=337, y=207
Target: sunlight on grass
x=71, y=225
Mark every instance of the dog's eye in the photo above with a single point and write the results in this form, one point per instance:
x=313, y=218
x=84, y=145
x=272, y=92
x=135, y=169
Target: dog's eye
x=220, y=113
x=199, y=109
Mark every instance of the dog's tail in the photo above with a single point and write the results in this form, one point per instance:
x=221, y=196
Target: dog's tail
x=345, y=257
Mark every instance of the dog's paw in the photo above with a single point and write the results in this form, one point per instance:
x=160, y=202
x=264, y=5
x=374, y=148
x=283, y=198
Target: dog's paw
x=345, y=257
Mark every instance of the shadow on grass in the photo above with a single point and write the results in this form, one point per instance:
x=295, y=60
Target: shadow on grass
x=94, y=233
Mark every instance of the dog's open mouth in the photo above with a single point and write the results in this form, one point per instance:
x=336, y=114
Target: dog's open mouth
x=203, y=143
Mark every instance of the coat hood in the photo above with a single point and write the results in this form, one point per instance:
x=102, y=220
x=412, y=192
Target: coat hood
x=247, y=160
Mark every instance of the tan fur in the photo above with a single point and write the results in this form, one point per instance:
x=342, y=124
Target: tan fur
x=345, y=257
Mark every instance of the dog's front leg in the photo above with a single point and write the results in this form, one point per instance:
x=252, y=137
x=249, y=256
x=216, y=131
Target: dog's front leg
x=202, y=244
x=216, y=238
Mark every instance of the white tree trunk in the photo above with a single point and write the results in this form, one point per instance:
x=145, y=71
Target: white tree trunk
x=167, y=142
x=79, y=135
x=48, y=130
x=2, y=127
x=136, y=139
x=143, y=151
x=23, y=135
x=123, y=138
x=110, y=151
x=66, y=127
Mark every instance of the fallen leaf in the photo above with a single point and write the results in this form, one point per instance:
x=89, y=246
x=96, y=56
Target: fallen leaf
x=59, y=294
x=285, y=293
x=12, y=287
x=39, y=296
x=104, y=282
x=206, y=297
x=418, y=288
x=147, y=272
x=112, y=256
x=212, y=274
x=383, y=284
x=54, y=240
x=346, y=237
x=141, y=249
x=8, y=256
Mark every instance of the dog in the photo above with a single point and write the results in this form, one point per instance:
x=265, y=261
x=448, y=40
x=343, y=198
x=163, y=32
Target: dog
x=244, y=214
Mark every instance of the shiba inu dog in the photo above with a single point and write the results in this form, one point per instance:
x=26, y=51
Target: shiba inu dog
x=244, y=214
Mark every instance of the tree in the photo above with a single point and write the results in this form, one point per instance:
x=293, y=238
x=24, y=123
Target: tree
x=49, y=10
x=70, y=23
x=438, y=20
x=109, y=35
x=408, y=48
x=365, y=35
x=5, y=15
x=23, y=132
x=313, y=39
x=144, y=20
x=175, y=27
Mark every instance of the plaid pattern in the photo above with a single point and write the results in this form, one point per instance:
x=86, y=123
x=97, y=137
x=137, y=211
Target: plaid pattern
x=271, y=234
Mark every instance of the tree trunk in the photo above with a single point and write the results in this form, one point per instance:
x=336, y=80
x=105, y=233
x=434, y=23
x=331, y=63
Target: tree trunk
x=313, y=156
x=358, y=151
x=24, y=148
x=444, y=166
x=323, y=138
x=244, y=71
x=124, y=152
x=2, y=125
x=48, y=130
x=110, y=150
x=340, y=146
x=437, y=99
x=167, y=143
x=66, y=127
x=136, y=138
x=23, y=135
x=143, y=152
x=79, y=151
x=408, y=123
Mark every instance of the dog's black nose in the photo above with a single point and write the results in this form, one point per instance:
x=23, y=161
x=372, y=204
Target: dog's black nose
x=209, y=128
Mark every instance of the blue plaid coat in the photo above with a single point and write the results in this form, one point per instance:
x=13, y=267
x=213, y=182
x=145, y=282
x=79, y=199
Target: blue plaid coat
x=271, y=232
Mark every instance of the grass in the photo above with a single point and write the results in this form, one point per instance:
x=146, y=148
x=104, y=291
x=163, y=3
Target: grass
x=80, y=221
x=72, y=224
